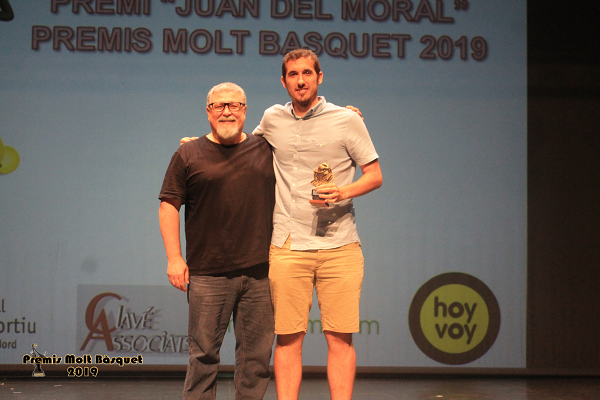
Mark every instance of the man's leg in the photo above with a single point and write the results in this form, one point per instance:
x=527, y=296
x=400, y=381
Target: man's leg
x=211, y=303
x=338, y=283
x=341, y=364
x=288, y=365
x=292, y=283
x=254, y=334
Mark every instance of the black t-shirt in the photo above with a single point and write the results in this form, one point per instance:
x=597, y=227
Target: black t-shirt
x=229, y=195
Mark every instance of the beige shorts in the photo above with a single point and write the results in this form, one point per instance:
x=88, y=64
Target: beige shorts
x=335, y=273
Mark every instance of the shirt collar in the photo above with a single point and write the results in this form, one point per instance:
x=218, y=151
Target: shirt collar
x=313, y=111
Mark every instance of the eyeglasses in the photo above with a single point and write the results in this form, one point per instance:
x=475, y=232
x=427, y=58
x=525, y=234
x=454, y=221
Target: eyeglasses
x=233, y=106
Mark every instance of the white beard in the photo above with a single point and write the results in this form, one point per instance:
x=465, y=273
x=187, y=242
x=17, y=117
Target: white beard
x=227, y=132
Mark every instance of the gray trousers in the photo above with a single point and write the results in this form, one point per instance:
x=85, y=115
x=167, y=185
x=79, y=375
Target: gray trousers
x=213, y=299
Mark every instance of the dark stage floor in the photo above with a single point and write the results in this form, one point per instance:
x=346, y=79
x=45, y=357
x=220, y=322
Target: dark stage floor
x=430, y=388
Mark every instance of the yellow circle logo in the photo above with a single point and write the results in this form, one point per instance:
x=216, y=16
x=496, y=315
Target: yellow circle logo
x=9, y=159
x=454, y=318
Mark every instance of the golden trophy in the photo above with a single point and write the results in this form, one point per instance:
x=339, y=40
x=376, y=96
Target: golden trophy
x=323, y=175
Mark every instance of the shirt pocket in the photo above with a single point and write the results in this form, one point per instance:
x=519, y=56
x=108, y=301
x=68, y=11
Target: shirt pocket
x=314, y=146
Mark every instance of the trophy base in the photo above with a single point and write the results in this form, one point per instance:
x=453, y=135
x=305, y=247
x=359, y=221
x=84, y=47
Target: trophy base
x=319, y=203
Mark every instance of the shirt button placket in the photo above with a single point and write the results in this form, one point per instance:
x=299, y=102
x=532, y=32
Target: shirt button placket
x=295, y=164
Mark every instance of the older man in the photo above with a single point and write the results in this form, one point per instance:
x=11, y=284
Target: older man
x=226, y=181
x=316, y=247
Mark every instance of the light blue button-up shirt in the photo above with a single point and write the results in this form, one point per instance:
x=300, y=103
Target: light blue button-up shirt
x=326, y=134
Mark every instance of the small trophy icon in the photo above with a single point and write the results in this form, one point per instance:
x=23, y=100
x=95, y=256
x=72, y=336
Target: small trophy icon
x=38, y=372
x=322, y=175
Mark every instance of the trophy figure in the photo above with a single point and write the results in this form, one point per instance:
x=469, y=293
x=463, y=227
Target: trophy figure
x=38, y=372
x=323, y=175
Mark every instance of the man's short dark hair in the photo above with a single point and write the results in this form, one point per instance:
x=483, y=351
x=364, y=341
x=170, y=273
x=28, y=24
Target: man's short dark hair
x=297, y=54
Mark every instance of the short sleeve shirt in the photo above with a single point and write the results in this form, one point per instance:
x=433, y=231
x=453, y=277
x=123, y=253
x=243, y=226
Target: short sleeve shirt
x=326, y=134
x=229, y=195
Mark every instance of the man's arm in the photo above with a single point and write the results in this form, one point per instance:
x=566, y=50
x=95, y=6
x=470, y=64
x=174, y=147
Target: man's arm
x=189, y=139
x=177, y=269
x=356, y=110
x=370, y=180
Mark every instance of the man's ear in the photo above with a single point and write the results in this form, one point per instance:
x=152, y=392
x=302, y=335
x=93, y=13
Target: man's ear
x=320, y=78
x=283, y=82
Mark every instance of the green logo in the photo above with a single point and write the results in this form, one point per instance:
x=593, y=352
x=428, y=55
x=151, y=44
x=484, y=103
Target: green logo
x=454, y=318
